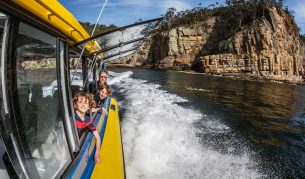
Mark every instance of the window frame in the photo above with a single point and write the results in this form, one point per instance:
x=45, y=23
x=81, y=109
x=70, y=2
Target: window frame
x=5, y=117
x=20, y=163
x=65, y=93
x=11, y=88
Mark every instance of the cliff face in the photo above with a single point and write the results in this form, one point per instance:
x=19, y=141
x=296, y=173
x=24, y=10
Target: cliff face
x=268, y=47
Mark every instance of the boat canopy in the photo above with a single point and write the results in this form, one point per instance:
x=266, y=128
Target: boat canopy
x=107, y=46
x=122, y=41
x=57, y=16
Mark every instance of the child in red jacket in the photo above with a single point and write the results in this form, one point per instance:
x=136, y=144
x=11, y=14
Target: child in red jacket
x=81, y=102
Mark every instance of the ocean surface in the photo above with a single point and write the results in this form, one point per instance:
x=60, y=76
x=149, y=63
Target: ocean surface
x=178, y=125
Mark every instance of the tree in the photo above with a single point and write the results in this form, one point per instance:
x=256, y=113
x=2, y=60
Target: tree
x=100, y=28
x=169, y=15
x=139, y=20
x=235, y=2
x=280, y=3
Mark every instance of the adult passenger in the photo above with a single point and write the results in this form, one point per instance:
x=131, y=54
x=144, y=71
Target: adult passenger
x=93, y=88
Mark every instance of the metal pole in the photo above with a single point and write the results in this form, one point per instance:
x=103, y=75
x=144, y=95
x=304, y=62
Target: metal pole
x=83, y=49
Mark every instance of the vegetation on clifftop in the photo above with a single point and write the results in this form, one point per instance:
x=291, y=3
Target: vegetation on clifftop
x=100, y=28
x=235, y=14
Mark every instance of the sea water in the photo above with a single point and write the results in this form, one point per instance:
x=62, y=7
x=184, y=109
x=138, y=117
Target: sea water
x=177, y=125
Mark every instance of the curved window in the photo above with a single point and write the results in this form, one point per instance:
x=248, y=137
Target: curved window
x=2, y=27
x=3, y=172
x=39, y=113
x=3, y=19
x=76, y=75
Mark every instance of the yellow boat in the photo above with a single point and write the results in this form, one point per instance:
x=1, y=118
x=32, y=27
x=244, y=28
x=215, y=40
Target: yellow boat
x=38, y=134
x=40, y=42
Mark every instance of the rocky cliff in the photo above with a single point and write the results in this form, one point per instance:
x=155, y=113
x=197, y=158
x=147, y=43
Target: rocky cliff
x=268, y=47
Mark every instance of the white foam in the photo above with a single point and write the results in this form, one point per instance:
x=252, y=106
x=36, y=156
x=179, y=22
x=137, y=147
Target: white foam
x=198, y=89
x=118, y=77
x=160, y=139
x=212, y=125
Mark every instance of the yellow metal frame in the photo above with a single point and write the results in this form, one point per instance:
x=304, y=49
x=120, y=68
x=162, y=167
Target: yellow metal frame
x=54, y=14
x=111, y=153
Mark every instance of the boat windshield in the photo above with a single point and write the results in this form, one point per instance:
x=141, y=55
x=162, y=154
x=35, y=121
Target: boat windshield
x=123, y=41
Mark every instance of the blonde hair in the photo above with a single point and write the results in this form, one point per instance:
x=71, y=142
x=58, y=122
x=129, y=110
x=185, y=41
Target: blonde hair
x=87, y=96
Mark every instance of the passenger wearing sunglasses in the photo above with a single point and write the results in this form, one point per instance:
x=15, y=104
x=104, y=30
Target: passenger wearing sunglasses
x=93, y=88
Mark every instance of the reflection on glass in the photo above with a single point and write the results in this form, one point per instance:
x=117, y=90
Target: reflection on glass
x=123, y=40
x=44, y=139
x=2, y=26
x=125, y=35
x=77, y=74
x=119, y=55
x=120, y=50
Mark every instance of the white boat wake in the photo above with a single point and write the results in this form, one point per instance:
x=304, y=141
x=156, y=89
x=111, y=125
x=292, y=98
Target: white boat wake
x=160, y=140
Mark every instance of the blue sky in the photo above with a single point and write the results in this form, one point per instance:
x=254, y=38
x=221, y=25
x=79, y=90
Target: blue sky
x=124, y=12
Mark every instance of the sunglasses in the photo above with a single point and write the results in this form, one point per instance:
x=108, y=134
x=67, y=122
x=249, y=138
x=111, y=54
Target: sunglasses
x=103, y=77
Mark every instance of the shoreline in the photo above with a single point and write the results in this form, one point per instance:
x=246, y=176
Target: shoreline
x=242, y=76
x=248, y=77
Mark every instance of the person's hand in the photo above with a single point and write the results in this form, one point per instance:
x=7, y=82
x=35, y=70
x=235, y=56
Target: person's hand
x=97, y=157
x=104, y=110
x=95, y=109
